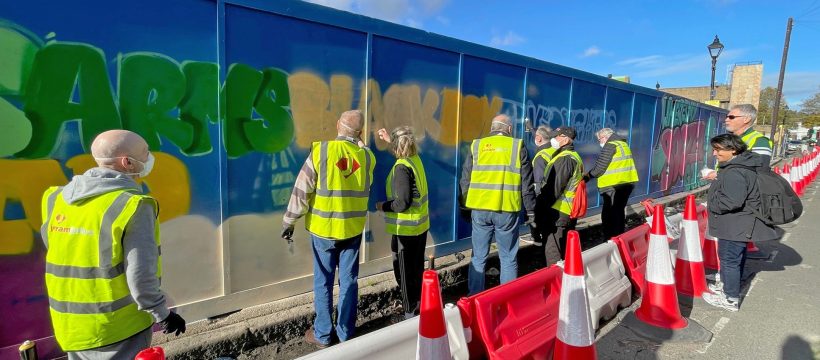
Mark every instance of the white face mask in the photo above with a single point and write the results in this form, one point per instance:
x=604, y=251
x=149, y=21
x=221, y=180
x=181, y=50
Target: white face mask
x=147, y=166
x=555, y=144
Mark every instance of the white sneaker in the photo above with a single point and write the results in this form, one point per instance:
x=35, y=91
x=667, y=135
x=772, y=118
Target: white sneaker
x=716, y=287
x=720, y=300
x=713, y=277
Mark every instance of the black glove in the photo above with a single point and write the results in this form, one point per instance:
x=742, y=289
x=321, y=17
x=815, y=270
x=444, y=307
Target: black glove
x=531, y=221
x=173, y=323
x=587, y=177
x=287, y=232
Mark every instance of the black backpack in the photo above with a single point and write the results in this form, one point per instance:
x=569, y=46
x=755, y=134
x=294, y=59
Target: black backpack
x=779, y=204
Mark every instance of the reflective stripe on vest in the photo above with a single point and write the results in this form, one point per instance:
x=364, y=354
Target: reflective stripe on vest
x=338, y=209
x=89, y=299
x=751, y=138
x=564, y=202
x=495, y=180
x=621, y=169
x=414, y=220
x=545, y=154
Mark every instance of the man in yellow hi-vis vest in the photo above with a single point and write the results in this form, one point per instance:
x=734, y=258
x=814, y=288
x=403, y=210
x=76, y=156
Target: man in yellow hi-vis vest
x=617, y=175
x=495, y=178
x=332, y=192
x=740, y=121
x=563, y=173
x=103, y=255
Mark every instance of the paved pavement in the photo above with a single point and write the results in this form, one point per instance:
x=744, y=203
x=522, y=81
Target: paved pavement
x=779, y=317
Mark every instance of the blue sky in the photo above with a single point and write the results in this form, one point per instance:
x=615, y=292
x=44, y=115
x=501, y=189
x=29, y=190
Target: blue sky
x=663, y=41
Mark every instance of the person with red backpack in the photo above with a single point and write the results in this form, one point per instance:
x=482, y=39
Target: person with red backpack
x=563, y=174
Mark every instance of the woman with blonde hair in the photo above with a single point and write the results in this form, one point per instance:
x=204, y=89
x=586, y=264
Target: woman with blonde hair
x=406, y=215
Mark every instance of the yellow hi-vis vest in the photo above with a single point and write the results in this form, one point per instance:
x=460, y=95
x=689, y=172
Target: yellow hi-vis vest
x=621, y=169
x=564, y=202
x=415, y=220
x=752, y=137
x=88, y=296
x=495, y=180
x=545, y=154
x=338, y=209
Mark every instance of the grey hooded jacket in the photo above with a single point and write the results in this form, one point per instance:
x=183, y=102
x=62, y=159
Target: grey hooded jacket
x=140, y=250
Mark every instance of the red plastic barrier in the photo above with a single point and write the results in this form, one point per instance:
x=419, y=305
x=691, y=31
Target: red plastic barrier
x=633, y=246
x=519, y=319
x=710, y=255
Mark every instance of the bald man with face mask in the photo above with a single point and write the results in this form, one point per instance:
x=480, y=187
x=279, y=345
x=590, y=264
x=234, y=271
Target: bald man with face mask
x=103, y=255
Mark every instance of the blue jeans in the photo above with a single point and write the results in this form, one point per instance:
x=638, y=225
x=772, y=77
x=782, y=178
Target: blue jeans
x=504, y=227
x=732, y=255
x=327, y=254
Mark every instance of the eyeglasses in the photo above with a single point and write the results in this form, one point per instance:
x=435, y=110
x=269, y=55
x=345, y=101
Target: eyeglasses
x=732, y=117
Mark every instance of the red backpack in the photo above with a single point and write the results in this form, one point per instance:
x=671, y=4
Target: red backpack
x=579, y=203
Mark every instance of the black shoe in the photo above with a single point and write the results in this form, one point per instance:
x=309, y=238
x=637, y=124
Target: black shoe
x=311, y=338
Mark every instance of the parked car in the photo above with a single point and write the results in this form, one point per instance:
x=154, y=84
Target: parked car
x=794, y=145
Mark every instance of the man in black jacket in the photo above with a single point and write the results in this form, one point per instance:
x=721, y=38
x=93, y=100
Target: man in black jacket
x=563, y=173
x=543, y=155
x=617, y=176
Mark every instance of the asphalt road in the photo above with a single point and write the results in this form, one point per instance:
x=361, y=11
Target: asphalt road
x=779, y=317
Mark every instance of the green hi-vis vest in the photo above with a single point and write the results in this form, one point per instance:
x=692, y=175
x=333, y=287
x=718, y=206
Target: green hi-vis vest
x=564, y=203
x=415, y=220
x=752, y=137
x=545, y=154
x=338, y=209
x=621, y=169
x=88, y=296
x=495, y=181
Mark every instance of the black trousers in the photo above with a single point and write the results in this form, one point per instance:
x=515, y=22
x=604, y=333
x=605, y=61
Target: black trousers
x=555, y=243
x=613, y=211
x=408, y=267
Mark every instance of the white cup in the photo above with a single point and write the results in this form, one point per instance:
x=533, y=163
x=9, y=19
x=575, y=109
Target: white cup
x=705, y=171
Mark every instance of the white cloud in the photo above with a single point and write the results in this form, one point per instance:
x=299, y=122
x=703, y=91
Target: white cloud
x=591, y=51
x=797, y=85
x=443, y=20
x=409, y=12
x=346, y=5
x=508, y=39
x=662, y=65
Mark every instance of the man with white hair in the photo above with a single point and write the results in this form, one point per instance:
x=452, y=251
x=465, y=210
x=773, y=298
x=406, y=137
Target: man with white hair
x=103, y=255
x=332, y=192
x=616, y=173
x=496, y=177
x=740, y=121
x=543, y=155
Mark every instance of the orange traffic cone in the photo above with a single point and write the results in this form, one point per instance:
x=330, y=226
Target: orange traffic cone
x=154, y=353
x=575, y=338
x=659, y=306
x=433, y=343
x=690, y=276
x=795, y=177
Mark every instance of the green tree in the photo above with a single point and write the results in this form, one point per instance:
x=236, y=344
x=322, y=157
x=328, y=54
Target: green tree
x=764, y=109
x=811, y=106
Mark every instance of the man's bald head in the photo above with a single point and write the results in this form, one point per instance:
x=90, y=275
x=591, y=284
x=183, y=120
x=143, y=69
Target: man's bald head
x=350, y=123
x=501, y=123
x=112, y=148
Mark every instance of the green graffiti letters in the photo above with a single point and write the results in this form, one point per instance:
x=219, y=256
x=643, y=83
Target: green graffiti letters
x=247, y=89
x=61, y=74
x=156, y=97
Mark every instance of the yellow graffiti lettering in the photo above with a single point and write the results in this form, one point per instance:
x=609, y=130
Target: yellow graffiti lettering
x=315, y=106
x=476, y=115
x=168, y=182
x=24, y=181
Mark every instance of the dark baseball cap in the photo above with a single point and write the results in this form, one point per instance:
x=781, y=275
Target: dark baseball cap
x=563, y=130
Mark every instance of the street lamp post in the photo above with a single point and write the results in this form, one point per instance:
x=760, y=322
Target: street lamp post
x=715, y=48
